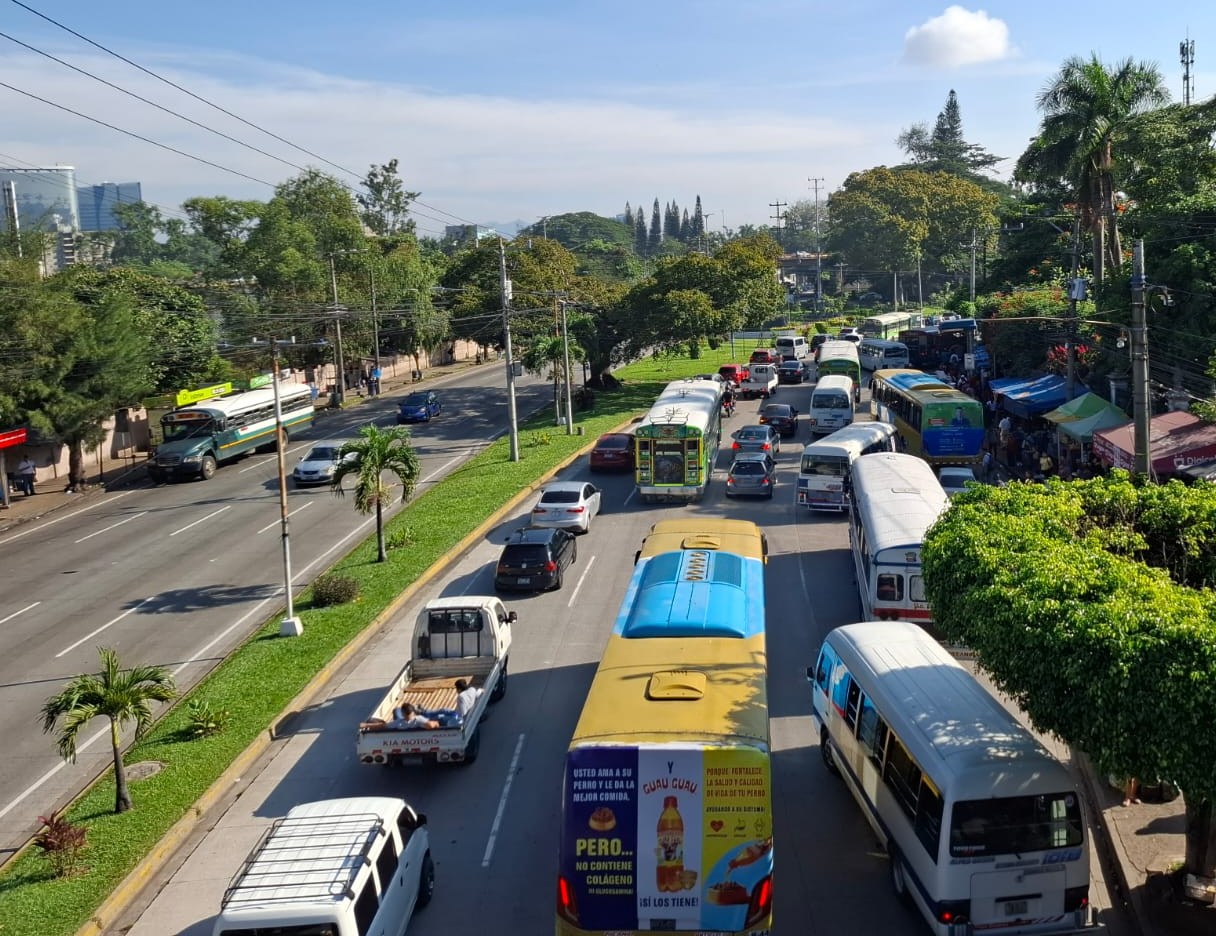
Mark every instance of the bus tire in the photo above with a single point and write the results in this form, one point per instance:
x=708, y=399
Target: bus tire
x=825, y=751
x=206, y=469
x=899, y=875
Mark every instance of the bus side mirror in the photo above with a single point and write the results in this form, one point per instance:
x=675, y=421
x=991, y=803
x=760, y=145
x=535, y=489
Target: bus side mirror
x=810, y=674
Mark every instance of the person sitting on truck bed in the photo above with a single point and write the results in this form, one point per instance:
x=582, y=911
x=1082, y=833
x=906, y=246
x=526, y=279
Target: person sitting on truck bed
x=408, y=717
x=466, y=697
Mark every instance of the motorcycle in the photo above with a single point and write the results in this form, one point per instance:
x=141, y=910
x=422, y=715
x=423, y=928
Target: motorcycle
x=728, y=408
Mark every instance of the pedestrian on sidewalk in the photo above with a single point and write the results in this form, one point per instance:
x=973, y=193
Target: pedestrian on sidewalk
x=1131, y=791
x=26, y=473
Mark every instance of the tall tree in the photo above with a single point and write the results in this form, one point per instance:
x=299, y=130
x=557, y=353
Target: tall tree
x=367, y=458
x=655, y=240
x=385, y=203
x=1088, y=111
x=944, y=149
x=628, y=219
x=1090, y=605
x=121, y=696
x=640, y=239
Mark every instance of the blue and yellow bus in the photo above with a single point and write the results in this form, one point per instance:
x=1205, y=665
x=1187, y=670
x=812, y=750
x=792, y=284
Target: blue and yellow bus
x=938, y=423
x=677, y=441
x=667, y=821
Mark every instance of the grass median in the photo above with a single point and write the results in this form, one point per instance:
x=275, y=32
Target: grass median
x=258, y=680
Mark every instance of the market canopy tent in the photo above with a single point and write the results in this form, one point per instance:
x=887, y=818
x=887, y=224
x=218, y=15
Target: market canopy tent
x=1082, y=417
x=1027, y=397
x=1175, y=441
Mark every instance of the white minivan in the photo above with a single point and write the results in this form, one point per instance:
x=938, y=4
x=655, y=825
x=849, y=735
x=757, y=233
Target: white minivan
x=792, y=348
x=343, y=867
x=831, y=404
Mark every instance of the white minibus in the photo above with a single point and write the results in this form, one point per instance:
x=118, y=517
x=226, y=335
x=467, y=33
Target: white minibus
x=824, y=473
x=831, y=403
x=357, y=866
x=792, y=348
x=984, y=829
x=880, y=353
x=893, y=500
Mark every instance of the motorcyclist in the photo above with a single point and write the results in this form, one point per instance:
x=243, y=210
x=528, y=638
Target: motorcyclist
x=728, y=400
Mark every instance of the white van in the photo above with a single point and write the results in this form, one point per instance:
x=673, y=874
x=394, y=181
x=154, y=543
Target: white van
x=792, y=348
x=831, y=404
x=880, y=354
x=343, y=867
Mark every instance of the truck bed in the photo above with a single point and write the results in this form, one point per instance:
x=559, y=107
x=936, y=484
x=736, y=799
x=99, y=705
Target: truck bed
x=430, y=685
x=438, y=692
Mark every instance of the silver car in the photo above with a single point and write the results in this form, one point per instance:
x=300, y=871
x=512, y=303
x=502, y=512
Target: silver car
x=317, y=467
x=567, y=505
x=752, y=474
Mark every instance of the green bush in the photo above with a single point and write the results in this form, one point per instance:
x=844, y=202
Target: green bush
x=204, y=720
x=334, y=589
x=399, y=538
x=62, y=842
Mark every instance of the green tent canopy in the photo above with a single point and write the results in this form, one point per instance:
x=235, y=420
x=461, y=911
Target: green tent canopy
x=1081, y=417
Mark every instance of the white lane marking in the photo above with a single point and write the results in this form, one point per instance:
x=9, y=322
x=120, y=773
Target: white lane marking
x=629, y=496
x=110, y=623
x=75, y=513
x=434, y=474
x=37, y=784
x=290, y=514
x=214, y=513
x=502, y=802
x=22, y=611
x=262, y=463
x=112, y=526
x=582, y=578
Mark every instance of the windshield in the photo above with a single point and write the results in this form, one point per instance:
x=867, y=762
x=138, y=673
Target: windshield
x=831, y=400
x=559, y=497
x=323, y=453
x=747, y=468
x=415, y=399
x=1015, y=825
x=176, y=428
x=757, y=434
x=833, y=466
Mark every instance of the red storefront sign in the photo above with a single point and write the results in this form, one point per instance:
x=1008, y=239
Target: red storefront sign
x=12, y=437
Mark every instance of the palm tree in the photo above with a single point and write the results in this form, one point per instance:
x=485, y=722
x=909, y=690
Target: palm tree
x=120, y=695
x=549, y=352
x=373, y=453
x=1088, y=110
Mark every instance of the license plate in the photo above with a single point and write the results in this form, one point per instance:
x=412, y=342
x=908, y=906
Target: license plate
x=525, y=580
x=1016, y=907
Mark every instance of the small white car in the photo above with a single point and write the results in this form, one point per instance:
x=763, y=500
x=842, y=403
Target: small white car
x=317, y=467
x=567, y=505
x=954, y=480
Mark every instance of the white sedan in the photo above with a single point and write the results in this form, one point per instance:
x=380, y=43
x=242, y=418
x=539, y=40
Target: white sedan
x=567, y=505
x=318, y=466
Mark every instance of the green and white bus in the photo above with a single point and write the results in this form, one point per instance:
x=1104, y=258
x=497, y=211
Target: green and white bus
x=201, y=436
x=677, y=441
x=839, y=357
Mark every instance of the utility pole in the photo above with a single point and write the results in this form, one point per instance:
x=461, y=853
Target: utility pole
x=778, y=217
x=815, y=180
x=973, y=246
x=374, y=385
x=505, y=285
x=291, y=625
x=1076, y=292
x=1139, y=335
x=566, y=353
x=1186, y=51
x=340, y=383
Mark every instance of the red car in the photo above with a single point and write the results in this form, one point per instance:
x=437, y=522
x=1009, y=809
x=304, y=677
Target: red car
x=735, y=373
x=613, y=450
x=764, y=356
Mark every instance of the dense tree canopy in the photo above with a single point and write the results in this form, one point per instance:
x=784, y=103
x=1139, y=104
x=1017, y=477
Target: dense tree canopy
x=1091, y=605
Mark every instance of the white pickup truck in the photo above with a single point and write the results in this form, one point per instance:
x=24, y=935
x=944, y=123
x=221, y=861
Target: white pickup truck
x=465, y=637
x=761, y=381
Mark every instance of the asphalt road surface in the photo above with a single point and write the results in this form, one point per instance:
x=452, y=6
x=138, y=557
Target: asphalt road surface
x=494, y=824
x=178, y=574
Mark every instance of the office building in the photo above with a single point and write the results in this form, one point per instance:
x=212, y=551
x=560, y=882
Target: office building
x=44, y=199
x=97, y=203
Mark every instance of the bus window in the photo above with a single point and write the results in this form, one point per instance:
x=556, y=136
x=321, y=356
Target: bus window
x=916, y=588
x=929, y=819
x=823, y=671
x=871, y=731
x=852, y=700
x=891, y=587
x=903, y=777
x=1015, y=824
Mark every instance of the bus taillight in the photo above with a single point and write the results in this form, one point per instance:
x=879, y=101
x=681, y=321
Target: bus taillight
x=566, y=904
x=761, y=906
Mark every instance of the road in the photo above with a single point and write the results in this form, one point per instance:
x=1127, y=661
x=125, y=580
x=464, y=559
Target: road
x=494, y=824
x=178, y=574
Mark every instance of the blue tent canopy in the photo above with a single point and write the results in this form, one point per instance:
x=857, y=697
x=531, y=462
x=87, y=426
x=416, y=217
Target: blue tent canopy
x=1027, y=397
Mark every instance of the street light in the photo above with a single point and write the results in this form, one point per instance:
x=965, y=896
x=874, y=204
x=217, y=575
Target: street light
x=340, y=382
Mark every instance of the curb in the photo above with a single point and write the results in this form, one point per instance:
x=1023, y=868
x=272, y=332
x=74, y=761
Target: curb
x=133, y=884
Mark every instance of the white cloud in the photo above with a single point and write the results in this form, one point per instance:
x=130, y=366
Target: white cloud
x=957, y=37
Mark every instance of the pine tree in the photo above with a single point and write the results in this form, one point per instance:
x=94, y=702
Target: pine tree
x=670, y=229
x=656, y=231
x=698, y=220
x=944, y=149
x=639, y=233
x=628, y=215
x=686, y=229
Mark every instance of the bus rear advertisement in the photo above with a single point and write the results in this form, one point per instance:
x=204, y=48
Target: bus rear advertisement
x=667, y=837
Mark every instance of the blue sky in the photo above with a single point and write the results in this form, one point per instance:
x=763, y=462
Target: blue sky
x=516, y=110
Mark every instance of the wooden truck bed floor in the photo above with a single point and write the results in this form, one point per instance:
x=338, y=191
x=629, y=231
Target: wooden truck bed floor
x=438, y=692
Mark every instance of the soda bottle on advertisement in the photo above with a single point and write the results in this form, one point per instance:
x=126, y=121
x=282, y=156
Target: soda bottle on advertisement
x=670, y=871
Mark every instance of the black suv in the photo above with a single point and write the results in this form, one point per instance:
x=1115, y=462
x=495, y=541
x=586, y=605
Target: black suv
x=535, y=560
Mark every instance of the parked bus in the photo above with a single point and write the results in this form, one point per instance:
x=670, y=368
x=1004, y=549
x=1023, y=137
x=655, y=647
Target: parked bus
x=839, y=357
x=938, y=423
x=667, y=821
x=826, y=465
x=677, y=441
x=831, y=403
x=882, y=354
x=204, y=435
x=888, y=324
x=894, y=500
x=983, y=827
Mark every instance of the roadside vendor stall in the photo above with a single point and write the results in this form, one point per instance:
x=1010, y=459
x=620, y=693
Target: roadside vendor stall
x=1175, y=441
